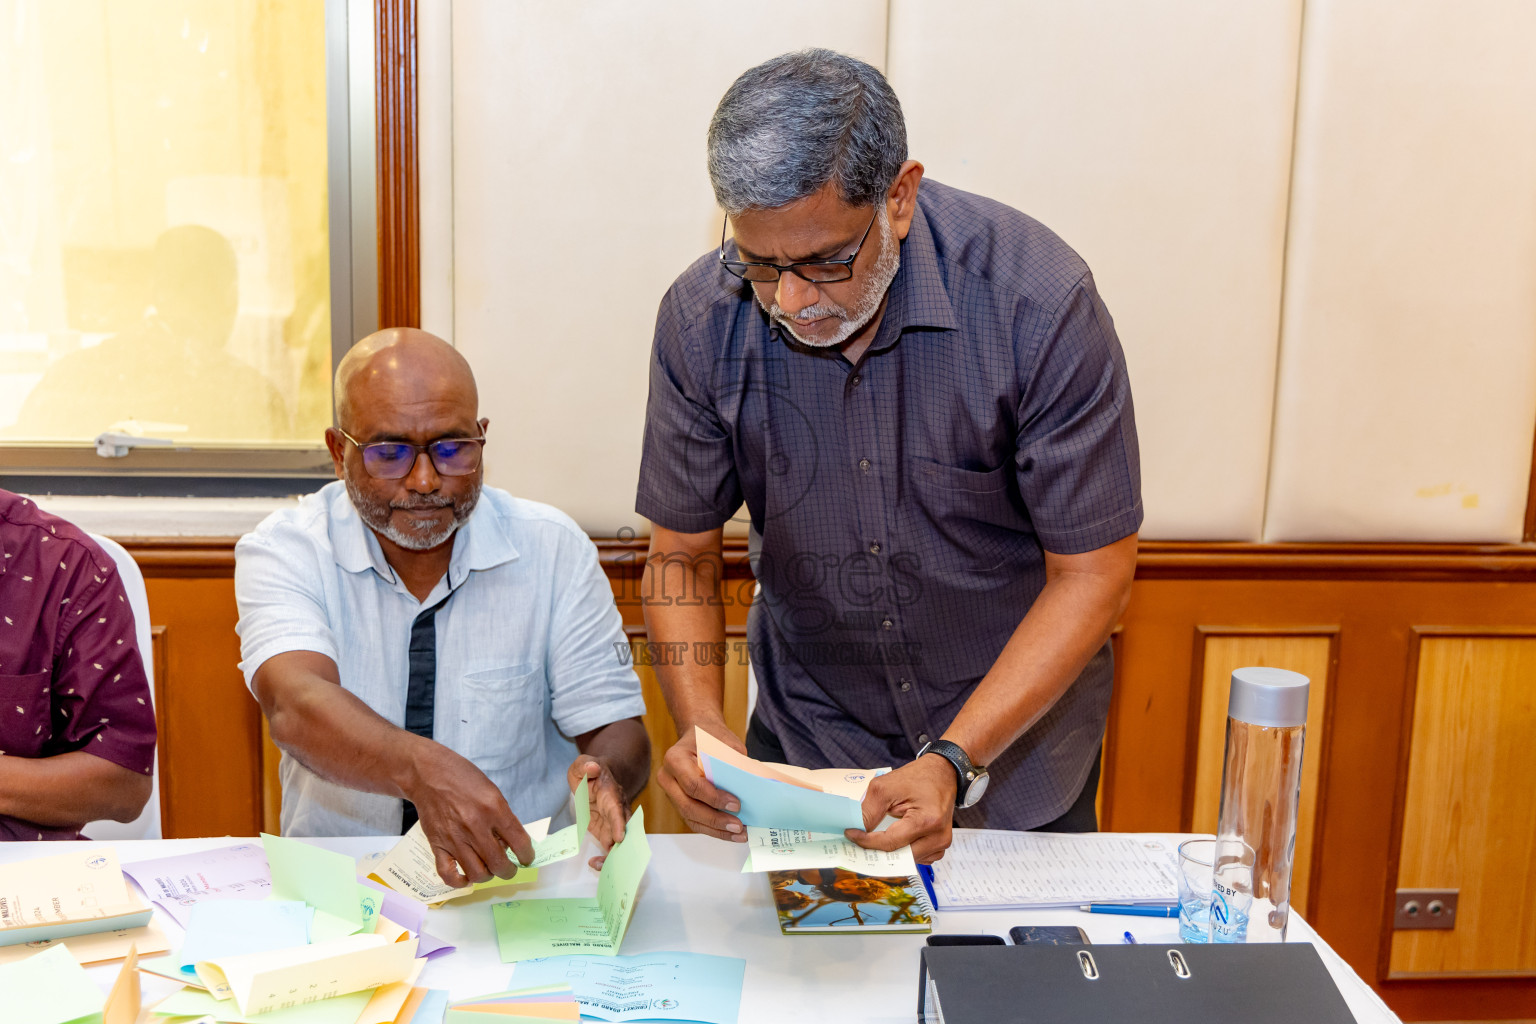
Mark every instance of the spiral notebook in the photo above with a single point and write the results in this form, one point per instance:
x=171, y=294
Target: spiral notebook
x=989, y=870
x=829, y=901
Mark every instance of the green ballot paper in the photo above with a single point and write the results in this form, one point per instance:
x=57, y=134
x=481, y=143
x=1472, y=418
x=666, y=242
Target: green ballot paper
x=552, y=927
x=48, y=988
x=326, y=881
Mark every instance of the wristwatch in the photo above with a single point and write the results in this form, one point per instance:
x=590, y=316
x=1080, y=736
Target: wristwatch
x=972, y=779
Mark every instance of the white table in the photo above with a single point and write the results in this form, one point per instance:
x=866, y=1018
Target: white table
x=695, y=898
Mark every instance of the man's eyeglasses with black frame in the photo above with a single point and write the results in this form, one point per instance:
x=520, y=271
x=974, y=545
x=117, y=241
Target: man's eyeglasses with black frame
x=394, y=460
x=814, y=271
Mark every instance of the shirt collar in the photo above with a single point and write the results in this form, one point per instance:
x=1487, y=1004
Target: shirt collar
x=918, y=296
x=484, y=542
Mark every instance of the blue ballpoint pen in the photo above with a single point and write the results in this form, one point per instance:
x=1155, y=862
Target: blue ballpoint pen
x=1129, y=910
x=1129, y=940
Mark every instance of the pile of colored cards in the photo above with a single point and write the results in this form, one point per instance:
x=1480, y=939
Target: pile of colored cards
x=551, y=1004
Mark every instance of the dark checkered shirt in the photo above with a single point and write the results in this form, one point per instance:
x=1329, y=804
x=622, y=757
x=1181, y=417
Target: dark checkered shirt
x=900, y=507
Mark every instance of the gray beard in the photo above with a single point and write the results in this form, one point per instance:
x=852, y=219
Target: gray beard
x=865, y=306
x=376, y=514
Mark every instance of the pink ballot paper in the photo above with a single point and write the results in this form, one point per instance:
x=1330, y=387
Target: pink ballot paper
x=179, y=883
x=783, y=796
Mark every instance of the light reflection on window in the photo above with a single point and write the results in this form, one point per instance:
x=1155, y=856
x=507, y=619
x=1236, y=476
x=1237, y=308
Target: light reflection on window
x=163, y=230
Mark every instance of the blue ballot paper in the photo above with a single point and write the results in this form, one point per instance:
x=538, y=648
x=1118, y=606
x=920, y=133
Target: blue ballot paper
x=647, y=986
x=220, y=928
x=768, y=803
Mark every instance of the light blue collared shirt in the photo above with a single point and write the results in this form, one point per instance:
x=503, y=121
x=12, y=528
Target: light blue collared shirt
x=528, y=648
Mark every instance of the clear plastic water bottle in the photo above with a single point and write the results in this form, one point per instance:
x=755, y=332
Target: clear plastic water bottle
x=1260, y=799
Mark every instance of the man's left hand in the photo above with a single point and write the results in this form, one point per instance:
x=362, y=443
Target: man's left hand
x=609, y=811
x=921, y=796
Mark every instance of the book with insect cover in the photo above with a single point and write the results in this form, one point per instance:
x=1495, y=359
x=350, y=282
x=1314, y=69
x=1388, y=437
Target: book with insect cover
x=823, y=901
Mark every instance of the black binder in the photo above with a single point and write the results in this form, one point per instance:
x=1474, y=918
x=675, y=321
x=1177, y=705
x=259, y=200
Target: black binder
x=1262, y=983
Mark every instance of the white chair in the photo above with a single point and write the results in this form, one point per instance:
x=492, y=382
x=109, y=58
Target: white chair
x=147, y=824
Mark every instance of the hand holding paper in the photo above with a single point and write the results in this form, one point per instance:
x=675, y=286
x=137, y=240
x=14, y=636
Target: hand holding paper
x=782, y=796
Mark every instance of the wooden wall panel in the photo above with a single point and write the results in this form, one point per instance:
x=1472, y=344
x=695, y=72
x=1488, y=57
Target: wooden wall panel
x=210, y=727
x=1218, y=654
x=1469, y=812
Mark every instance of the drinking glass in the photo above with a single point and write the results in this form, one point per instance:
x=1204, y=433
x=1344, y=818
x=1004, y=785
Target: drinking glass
x=1196, y=856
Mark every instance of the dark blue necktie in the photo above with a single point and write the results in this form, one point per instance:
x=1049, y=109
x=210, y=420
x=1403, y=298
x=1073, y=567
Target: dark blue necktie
x=421, y=691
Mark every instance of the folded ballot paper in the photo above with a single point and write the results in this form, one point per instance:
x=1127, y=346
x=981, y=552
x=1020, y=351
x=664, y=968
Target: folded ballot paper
x=411, y=868
x=81, y=892
x=795, y=817
x=548, y=927
x=51, y=987
x=545, y=1004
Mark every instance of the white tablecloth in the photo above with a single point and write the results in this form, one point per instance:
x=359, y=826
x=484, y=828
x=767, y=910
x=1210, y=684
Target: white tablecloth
x=695, y=898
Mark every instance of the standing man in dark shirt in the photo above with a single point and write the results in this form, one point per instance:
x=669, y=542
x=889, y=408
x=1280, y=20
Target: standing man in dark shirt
x=920, y=398
x=77, y=731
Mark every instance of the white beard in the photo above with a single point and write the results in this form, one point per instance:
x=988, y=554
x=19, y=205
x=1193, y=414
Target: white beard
x=865, y=306
x=377, y=515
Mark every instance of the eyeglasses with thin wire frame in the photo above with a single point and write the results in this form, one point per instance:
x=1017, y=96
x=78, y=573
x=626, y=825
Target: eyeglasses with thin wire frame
x=814, y=271
x=393, y=460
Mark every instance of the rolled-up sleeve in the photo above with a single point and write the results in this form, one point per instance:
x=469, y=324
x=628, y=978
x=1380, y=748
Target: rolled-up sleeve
x=591, y=680
x=282, y=605
x=1078, y=460
x=688, y=479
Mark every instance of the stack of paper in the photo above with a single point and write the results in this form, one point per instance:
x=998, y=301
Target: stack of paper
x=320, y=951
x=546, y=927
x=782, y=849
x=988, y=870
x=650, y=986
x=81, y=892
x=547, y=1004
x=410, y=867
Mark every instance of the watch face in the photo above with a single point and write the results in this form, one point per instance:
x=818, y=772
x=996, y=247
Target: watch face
x=976, y=790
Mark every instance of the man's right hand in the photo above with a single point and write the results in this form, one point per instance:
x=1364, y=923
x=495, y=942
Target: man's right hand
x=465, y=818
x=707, y=810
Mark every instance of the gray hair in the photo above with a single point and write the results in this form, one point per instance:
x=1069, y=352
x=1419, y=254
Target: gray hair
x=790, y=125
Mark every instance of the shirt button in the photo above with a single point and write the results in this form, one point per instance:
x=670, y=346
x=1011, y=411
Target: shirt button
x=864, y=465
x=922, y=739
x=874, y=547
x=905, y=685
x=856, y=379
x=886, y=624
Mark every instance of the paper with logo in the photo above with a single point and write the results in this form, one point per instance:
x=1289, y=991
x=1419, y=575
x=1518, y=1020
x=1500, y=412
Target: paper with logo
x=223, y=928
x=76, y=893
x=411, y=867
x=262, y=982
x=648, y=986
x=403, y=912
x=780, y=796
x=549, y=927
x=177, y=884
x=98, y=947
x=783, y=849
x=191, y=1002
x=543, y=1004
x=48, y=988
x=326, y=881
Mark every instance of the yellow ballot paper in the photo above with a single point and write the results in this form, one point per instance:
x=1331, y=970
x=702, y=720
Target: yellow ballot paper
x=551, y=927
x=74, y=893
x=97, y=947
x=275, y=980
x=126, y=999
x=191, y=1002
x=411, y=868
x=789, y=849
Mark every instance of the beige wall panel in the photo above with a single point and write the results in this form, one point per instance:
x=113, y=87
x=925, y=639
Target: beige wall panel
x=1312, y=656
x=1407, y=386
x=1469, y=820
x=434, y=159
x=1155, y=139
x=580, y=193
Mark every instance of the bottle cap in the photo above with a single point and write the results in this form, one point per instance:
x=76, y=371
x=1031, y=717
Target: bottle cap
x=1270, y=697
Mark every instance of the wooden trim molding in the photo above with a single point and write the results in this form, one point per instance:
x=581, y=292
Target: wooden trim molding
x=399, y=210
x=1529, y=536
x=623, y=558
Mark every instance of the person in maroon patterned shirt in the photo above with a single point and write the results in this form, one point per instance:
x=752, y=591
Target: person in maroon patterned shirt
x=77, y=730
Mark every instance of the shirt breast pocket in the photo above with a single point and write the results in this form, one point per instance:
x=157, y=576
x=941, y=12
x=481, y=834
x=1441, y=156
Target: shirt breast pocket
x=501, y=716
x=970, y=520
x=26, y=717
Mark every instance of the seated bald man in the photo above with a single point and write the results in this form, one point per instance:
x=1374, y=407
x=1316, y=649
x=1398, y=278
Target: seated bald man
x=424, y=646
